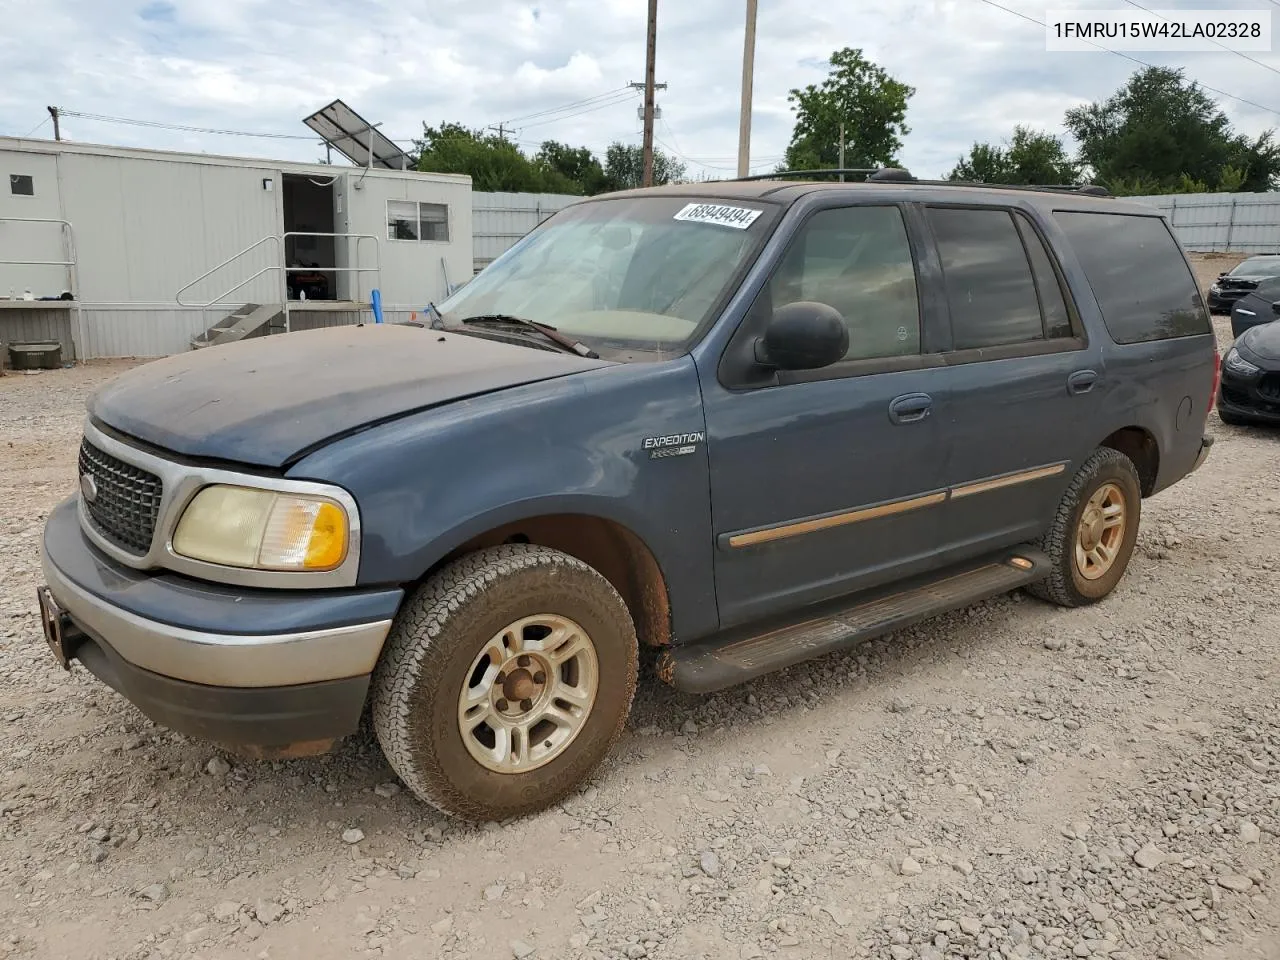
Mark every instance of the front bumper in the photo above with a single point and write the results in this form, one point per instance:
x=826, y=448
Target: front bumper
x=262, y=667
x=1246, y=401
x=1224, y=301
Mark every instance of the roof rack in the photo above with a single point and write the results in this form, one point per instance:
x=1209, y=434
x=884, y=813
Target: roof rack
x=899, y=175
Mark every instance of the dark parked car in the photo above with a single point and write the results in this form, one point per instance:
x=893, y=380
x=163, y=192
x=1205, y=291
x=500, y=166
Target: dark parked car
x=1236, y=283
x=1250, y=391
x=745, y=423
x=1258, y=306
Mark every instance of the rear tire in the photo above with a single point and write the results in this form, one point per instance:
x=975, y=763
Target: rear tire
x=506, y=679
x=1092, y=535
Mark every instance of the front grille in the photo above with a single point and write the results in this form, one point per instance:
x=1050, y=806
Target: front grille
x=1269, y=387
x=127, y=499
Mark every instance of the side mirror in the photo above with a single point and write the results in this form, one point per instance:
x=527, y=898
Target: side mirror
x=1222, y=274
x=1275, y=308
x=803, y=336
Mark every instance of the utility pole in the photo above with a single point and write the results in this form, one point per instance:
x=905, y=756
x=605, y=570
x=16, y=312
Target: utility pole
x=748, y=69
x=649, y=65
x=57, y=129
x=842, y=150
x=501, y=131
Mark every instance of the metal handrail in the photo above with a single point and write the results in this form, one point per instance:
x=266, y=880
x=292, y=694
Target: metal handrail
x=67, y=231
x=231, y=259
x=357, y=269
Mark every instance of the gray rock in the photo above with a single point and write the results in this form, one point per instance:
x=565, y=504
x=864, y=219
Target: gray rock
x=898, y=705
x=1025, y=874
x=909, y=867
x=1149, y=856
x=899, y=952
x=971, y=926
x=495, y=891
x=1249, y=832
x=710, y=863
x=100, y=834
x=387, y=790
x=1025, y=756
x=1055, y=643
x=689, y=728
x=1233, y=881
x=155, y=892
x=354, y=835
x=520, y=949
x=226, y=911
x=1017, y=933
x=217, y=767
x=268, y=911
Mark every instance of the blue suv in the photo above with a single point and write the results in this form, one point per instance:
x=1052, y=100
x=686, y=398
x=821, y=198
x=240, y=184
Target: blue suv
x=744, y=423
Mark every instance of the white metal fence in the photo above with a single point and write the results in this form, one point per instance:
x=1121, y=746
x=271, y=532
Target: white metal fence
x=1241, y=222
x=498, y=220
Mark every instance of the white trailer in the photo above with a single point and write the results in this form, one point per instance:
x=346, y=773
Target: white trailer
x=153, y=249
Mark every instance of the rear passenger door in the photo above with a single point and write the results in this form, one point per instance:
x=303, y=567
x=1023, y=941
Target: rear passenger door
x=1022, y=382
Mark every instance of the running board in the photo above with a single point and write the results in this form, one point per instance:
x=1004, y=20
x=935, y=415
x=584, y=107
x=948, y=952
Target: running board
x=738, y=656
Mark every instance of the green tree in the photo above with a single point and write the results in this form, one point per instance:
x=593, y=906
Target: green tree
x=492, y=162
x=1161, y=133
x=578, y=165
x=1030, y=156
x=871, y=104
x=624, y=167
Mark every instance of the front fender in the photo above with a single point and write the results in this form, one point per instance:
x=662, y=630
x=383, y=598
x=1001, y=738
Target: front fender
x=430, y=482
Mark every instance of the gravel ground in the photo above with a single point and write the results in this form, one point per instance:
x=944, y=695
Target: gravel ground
x=1011, y=780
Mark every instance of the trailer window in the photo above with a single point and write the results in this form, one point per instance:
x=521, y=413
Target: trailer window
x=407, y=220
x=21, y=185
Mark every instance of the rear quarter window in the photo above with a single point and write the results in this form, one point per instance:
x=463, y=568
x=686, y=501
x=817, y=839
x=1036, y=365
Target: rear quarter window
x=1138, y=274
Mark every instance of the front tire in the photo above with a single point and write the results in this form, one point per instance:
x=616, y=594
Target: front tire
x=1092, y=535
x=506, y=679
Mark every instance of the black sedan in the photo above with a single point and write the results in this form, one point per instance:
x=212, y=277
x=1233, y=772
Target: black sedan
x=1234, y=284
x=1258, y=306
x=1250, y=391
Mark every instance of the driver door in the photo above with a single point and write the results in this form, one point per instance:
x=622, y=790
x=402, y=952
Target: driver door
x=826, y=482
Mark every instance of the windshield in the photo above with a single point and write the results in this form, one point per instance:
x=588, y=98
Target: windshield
x=631, y=278
x=1256, y=267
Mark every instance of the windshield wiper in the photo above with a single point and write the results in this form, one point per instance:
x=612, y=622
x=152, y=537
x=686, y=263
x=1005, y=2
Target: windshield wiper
x=548, y=331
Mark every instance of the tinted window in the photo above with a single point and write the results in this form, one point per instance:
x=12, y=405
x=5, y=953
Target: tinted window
x=1144, y=287
x=21, y=185
x=858, y=260
x=988, y=280
x=1057, y=321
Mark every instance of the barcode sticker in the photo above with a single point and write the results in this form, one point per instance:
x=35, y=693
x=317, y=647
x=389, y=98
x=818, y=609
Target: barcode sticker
x=739, y=218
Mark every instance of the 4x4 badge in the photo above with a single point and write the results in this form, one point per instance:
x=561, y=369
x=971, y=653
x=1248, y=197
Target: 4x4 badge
x=675, y=445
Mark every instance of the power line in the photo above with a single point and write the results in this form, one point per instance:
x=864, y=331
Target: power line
x=37, y=127
x=177, y=126
x=1143, y=63
x=566, y=106
x=1238, y=53
x=569, y=116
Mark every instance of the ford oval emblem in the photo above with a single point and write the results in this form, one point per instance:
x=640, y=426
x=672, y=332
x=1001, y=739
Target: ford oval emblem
x=88, y=487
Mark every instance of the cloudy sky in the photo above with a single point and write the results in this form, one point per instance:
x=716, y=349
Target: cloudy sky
x=262, y=65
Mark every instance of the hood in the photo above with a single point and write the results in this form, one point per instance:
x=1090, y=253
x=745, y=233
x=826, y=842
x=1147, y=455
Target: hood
x=265, y=401
x=1262, y=343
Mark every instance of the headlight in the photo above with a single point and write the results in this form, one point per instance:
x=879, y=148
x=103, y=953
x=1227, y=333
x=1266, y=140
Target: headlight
x=1239, y=365
x=1214, y=288
x=263, y=529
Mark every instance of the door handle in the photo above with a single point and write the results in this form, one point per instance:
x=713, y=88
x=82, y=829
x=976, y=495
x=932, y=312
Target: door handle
x=1081, y=381
x=911, y=408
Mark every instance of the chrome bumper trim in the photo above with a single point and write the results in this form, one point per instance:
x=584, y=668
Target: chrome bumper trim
x=221, y=660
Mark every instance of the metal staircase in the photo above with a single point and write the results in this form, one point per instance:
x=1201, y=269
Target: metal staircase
x=250, y=320
x=253, y=319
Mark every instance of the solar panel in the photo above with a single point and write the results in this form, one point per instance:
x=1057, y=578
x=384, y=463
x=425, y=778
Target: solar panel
x=354, y=137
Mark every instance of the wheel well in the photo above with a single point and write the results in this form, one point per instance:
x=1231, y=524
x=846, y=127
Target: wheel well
x=611, y=549
x=1139, y=446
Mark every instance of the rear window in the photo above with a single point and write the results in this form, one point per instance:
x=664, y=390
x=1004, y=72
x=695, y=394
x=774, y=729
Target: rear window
x=1143, y=285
